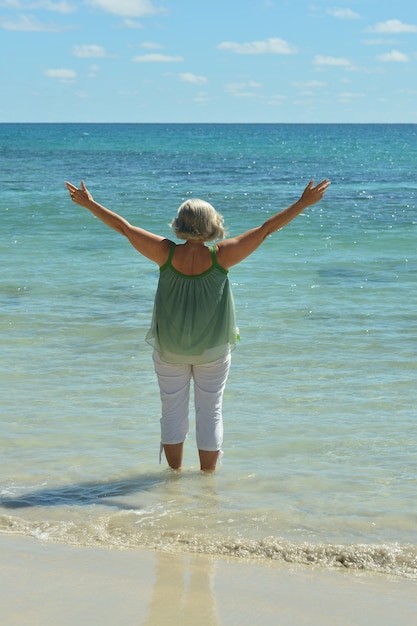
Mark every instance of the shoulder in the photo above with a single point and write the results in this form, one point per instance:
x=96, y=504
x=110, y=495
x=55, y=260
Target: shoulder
x=167, y=249
x=224, y=252
x=233, y=251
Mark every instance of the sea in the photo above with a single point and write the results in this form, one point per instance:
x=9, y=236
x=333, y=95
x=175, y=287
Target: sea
x=320, y=411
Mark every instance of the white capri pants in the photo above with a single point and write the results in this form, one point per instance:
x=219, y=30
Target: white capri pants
x=209, y=384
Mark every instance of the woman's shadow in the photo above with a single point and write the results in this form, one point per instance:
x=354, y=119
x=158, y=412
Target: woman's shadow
x=105, y=493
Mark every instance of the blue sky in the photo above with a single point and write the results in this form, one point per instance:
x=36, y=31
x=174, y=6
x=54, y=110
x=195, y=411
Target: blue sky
x=216, y=61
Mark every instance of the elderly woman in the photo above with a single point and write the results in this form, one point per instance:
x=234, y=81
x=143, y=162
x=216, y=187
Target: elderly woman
x=193, y=328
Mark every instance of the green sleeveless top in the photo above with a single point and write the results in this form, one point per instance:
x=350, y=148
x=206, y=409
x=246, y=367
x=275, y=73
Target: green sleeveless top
x=193, y=318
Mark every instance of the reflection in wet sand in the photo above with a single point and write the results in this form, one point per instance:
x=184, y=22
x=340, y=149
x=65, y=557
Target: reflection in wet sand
x=182, y=592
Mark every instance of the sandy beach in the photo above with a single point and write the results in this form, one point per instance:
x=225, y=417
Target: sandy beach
x=45, y=583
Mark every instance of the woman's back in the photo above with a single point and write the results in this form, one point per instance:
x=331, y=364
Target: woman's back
x=192, y=258
x=193, y=320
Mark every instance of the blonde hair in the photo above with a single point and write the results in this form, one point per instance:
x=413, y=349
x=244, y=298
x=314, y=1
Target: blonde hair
x=198, y=220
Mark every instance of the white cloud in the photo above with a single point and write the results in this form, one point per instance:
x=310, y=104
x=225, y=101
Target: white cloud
x=346, y=96
x=243, y=90
x=268, y=46
x=393, y=27
x=89, y=51
x=276, y=99
x=378, y=42
x=125, y=8
x=409, y=92
x=150, y=45
x=344, y=14
x=93, y=70
x=62, y=74
x=202, y=97
x=331, y=61
x=395, y=56
x=187, y=77
x=47, y=5
x=28, y=23
x=128, y=23
x=310, y=84
x=59, y=7
x=156, y=58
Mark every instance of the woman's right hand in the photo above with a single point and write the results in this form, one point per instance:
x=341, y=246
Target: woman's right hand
x=312, y=195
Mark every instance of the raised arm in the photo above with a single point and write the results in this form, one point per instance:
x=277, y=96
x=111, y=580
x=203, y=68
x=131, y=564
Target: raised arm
x=150, y=245
x=232, y=251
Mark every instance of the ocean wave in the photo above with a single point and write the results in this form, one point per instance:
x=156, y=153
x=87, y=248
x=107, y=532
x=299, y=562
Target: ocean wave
x=385, y=558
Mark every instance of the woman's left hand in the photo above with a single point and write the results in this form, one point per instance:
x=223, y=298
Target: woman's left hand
x=80, y=195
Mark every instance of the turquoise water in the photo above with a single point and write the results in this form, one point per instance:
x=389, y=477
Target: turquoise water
x=320, y=419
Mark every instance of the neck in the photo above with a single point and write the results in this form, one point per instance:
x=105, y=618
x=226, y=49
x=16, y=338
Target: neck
x=194, y=243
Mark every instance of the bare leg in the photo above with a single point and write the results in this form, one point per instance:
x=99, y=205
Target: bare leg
x=208, y=460
x=173, y=453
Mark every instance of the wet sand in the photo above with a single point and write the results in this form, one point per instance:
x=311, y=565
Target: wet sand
x=46, y=583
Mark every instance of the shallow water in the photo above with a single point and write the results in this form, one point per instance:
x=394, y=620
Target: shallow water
x=320, y=428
